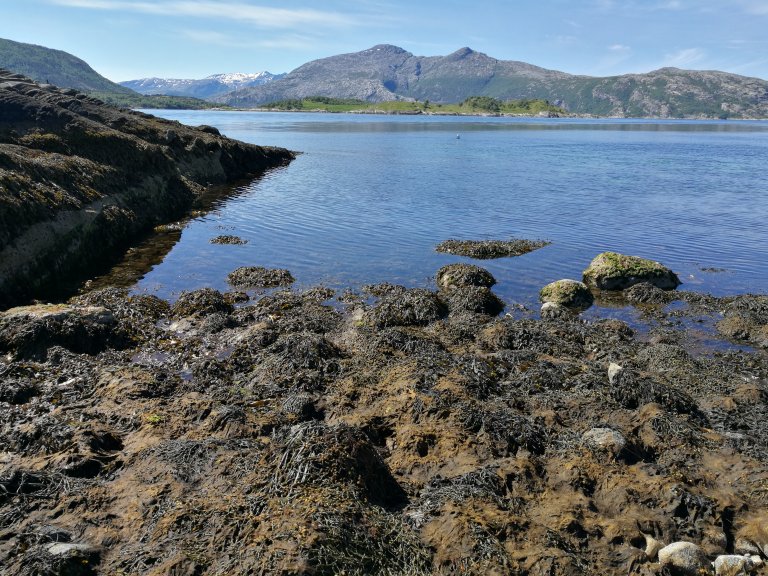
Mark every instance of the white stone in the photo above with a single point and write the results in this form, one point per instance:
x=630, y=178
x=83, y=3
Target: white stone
x=652, y=546
x=686, y=557
x=606, y=439
x=735, y=565
x=614, y=372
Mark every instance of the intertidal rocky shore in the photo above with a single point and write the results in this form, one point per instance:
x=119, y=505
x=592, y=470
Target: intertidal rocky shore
x=398, y=431
x=409, y=431
x=80, y=181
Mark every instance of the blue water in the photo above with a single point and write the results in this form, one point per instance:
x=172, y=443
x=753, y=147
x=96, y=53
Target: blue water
x=371, y=196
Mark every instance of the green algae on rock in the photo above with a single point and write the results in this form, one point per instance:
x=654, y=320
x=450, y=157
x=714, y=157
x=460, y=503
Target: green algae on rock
x=614, y=271
x=568, y=293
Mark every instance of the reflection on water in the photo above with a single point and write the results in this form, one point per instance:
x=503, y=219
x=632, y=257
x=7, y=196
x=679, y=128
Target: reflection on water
x=372, y=196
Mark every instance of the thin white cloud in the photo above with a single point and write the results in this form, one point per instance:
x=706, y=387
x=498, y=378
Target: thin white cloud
x=290, y=42
x=262, y=16
x=619, y=48
x=757, y=7
x=684, y=57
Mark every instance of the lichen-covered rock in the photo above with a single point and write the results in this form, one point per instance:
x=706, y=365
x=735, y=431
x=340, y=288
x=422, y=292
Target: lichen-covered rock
x=568, y=293
x=461, y=275
x=685, y=558
x=614, y=271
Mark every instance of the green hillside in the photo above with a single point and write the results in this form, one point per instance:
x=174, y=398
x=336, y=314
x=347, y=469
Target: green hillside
x=50, y=66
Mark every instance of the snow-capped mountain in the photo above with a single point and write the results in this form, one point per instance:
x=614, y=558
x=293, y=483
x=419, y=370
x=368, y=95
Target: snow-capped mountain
x=208, y=87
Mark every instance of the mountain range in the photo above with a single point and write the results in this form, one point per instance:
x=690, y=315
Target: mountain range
x=386, y=72
x=208, y=87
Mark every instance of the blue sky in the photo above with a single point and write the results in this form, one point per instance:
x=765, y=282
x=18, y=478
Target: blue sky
x=127, y=39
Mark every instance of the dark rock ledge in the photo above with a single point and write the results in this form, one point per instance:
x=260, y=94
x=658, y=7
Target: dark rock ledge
x=80, y=180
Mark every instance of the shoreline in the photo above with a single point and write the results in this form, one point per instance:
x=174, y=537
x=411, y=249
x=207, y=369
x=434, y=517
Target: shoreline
x=417, y=430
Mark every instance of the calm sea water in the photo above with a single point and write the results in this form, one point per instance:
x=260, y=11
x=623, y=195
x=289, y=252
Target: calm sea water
x=372, y=195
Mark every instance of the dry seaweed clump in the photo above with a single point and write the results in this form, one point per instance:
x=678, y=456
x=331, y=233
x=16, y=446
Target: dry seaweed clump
x=260, y=277
x=614, y=271
x=487, y=249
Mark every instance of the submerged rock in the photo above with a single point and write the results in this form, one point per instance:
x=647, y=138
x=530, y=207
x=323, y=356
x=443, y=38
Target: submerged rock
x=229, y=239
x=613, y=271
x=568, y=293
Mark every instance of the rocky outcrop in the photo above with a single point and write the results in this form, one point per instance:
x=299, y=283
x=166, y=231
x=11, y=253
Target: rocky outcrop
x=80, y=180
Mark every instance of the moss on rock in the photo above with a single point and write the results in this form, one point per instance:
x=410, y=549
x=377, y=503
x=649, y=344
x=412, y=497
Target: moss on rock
x=568, y=293
x=614, y=271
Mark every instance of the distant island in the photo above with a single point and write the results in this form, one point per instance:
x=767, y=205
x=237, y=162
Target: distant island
x=474, y=105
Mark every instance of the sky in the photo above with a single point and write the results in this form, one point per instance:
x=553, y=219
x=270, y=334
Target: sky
x=130, y=39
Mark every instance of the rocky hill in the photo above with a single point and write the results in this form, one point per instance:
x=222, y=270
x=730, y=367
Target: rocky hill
x=79, y=180
x=387, y=72
x=54, y=67
x=208, y=87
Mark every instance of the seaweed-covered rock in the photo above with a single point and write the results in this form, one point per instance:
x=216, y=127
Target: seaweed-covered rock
x=614, y=271
x=473, y=299
x=569, y=293
x=200, y=303
x=82, y=180
x=646, y=293
x=414, y=307
x=228, y=239
x=260, y=277
x=486, y=249
x=461, y=275
x=28, y=331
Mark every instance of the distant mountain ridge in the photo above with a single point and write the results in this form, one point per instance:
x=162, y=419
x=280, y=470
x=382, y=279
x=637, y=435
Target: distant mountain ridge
x=385, y=72
x=208, y=87
x=50, y=66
